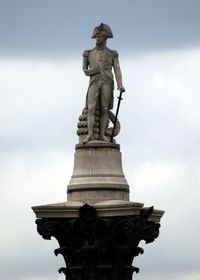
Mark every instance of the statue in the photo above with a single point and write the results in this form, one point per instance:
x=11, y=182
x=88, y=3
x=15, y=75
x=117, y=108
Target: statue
x=97, y=64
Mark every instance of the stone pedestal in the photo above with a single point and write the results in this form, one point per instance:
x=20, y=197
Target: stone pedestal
x=97, y=174
x=98, y=229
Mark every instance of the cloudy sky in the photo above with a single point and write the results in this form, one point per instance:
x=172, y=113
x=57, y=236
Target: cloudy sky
x=42, y=91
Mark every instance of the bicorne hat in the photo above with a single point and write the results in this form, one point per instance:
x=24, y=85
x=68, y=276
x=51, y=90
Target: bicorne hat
x=102, y=29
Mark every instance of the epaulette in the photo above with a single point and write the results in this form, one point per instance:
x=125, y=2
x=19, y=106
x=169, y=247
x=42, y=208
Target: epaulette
x=115, y=53
x=86, y=52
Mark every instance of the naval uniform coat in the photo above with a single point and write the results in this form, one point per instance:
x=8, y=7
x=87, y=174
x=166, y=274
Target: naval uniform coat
x=98, y=65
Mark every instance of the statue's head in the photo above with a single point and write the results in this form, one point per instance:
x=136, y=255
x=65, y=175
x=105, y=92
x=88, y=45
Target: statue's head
x=102, y=33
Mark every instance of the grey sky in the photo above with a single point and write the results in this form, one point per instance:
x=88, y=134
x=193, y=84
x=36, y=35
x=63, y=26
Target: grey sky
x=43, y=95
x=159, y=143
x=49, y=27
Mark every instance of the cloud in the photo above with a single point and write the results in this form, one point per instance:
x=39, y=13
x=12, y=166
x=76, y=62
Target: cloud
x=39, y=109
x=28, y=180
x=60, y=27
x=163, y=90
x=35, y=99
x=191, y=276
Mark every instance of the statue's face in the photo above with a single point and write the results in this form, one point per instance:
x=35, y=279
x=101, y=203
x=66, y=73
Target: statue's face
x=100, y=39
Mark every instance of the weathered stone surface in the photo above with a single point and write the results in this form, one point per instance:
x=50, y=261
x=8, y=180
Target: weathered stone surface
x=107, y=208
x=98, y=63
x=97, y=174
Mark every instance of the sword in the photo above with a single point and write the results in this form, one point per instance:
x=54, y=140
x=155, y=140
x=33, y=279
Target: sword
x=117, y=112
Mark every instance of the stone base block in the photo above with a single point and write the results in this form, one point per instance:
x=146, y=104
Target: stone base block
x=97, y=173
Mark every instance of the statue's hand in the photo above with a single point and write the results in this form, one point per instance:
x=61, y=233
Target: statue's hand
x=121, y=89
x=93, y=71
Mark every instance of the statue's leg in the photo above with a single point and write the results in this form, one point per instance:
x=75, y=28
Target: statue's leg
x=93, y=93
x=106, y=94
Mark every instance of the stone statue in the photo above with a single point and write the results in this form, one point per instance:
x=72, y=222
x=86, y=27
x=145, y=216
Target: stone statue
x=97, y=64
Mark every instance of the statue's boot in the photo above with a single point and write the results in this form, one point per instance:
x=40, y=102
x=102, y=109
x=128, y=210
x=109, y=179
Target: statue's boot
x=87, y=139
x=104, y=138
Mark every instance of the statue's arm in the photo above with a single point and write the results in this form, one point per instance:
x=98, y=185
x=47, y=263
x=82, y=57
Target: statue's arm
x=85, y=61
x=88, y=72
x=117, y=70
